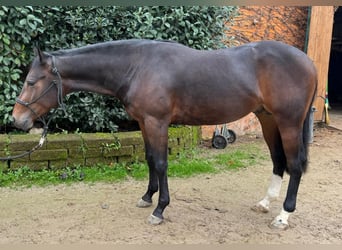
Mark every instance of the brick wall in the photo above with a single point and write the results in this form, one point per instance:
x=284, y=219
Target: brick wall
x=247, y=124
x=255, y=23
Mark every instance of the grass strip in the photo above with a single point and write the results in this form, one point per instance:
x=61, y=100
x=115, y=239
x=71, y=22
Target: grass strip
x=189, y=163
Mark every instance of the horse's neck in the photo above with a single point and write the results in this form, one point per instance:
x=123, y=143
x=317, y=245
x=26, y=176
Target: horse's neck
x=103, y=74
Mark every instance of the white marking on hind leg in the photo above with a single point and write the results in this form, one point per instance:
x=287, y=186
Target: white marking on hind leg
x=271, y=195
x=281, y=221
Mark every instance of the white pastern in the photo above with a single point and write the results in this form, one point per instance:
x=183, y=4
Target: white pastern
x=271, y=195
x=281, y=221
x=275, y=186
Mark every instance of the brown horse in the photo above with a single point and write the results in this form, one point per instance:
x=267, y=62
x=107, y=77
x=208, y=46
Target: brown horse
x=162, y=83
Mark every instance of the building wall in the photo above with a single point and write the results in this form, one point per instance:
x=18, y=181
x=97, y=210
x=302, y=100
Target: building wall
x=319, y=46
x=281, y=23
x=254, y=23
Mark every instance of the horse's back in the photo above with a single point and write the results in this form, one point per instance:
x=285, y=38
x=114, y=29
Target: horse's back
x=233, y=82
x=217, y=86
x=199, y=87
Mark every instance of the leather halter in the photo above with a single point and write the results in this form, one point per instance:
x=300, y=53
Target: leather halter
x=59, y=85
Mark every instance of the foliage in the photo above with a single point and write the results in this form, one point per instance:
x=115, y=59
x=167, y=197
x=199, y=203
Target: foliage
x=71, y=26
x=17, y=27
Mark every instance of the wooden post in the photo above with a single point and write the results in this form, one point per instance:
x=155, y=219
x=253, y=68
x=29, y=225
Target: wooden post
x=319, y=45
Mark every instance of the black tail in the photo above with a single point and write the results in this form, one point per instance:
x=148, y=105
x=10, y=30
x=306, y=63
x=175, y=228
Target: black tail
x=306, y=135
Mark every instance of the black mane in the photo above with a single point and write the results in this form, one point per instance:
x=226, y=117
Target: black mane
x=96, y=47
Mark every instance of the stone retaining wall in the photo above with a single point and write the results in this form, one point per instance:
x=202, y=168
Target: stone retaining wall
x=61, y=150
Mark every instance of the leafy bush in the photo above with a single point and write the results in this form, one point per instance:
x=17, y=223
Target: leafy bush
x=17, y=27
x=57, y=28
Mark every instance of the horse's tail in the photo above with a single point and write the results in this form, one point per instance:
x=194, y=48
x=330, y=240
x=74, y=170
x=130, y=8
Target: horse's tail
x=307, y=133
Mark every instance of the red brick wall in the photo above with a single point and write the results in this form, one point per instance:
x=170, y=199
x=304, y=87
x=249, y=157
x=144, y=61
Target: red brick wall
x=247, y=124
x=255, y=23
x=281, y=23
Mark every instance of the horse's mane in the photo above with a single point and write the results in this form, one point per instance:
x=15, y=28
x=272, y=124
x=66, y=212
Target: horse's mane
x=95, y=47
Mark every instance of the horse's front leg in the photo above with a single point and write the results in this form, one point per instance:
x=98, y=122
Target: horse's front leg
x=164, y=197
x=155, y=134
x=146, y=200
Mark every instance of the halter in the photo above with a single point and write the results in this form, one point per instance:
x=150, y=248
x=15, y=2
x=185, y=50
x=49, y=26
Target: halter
x=58, y=84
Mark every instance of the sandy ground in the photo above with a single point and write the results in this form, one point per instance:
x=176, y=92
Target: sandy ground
x=204, y=209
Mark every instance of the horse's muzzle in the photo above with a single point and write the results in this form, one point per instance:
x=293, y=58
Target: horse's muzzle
x=23, y=123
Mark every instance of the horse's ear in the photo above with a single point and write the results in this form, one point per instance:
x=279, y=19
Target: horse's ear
x=40, y=54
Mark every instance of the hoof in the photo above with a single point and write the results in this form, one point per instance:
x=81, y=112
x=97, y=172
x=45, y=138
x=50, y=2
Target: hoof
x=154, y=220
x=142, y=203
x=260, y=208
x=279, y=224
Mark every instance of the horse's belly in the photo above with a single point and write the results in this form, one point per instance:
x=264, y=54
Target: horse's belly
x=211, y=114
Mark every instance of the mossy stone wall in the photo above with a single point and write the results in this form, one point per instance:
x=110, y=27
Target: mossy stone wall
x=86, y=149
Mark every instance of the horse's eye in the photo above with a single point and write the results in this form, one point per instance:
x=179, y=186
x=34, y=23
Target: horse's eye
x=30, y=82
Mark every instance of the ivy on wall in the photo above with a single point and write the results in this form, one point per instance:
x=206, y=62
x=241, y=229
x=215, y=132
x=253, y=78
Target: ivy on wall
x=55, y=28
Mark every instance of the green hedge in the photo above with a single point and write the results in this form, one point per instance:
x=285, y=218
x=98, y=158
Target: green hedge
x=66, y=27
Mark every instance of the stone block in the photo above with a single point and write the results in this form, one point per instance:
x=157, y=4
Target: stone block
x=49, y=154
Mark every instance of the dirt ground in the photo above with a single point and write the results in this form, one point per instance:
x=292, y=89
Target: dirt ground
x=207, y=209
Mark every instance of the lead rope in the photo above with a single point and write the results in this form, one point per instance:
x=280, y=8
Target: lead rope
x=39, y=145
x=42, y=139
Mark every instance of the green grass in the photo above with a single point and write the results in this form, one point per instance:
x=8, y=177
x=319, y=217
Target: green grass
x=190, y=163
x=184, y=167
x=248, y=156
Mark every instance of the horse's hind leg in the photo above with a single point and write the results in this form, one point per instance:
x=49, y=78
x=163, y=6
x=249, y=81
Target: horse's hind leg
x=296, y=158
x=274, y=143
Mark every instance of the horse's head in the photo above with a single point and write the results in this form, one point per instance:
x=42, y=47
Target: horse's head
x=41, y=91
